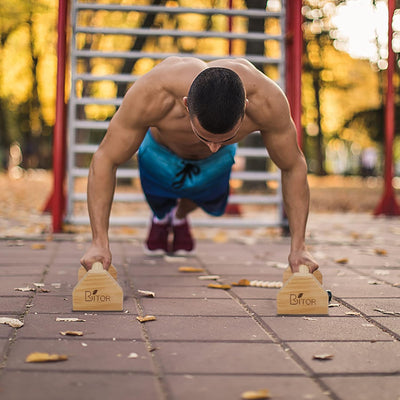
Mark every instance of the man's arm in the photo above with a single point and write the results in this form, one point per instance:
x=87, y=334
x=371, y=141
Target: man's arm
x=123, y=138
x=281, y=142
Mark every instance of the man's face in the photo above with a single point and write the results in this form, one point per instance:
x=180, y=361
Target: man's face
x=212, y=140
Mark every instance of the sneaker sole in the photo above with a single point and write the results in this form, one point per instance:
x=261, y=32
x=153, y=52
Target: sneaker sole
x=184, y=252
x=154, y=253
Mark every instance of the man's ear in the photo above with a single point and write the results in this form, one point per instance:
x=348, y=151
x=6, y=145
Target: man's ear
x=185, y=101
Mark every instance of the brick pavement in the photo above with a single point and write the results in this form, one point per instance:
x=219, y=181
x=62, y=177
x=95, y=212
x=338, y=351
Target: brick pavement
x=208, y=344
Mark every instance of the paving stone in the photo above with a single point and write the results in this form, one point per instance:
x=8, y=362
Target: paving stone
x=201, y=387
x=17, y=270
x=361, y=288
x=392, y=323
x=12, y=305
x=118, y=326
x=351, y=357
x=6, y=330
x=314, y=328
x=83, y=355
x=224, y=358
x=7, y=286
x=78, y=385
x=140, y=282
x=369, y=305
x=194, y=307
x=184, y=292
x=366, y=387
x=48, y=304
x=206, y=329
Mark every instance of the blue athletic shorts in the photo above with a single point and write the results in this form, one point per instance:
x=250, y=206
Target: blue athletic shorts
x=165, y=177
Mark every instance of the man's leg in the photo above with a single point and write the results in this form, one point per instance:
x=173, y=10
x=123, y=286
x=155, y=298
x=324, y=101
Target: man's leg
x=157, y=239
x=183, y=242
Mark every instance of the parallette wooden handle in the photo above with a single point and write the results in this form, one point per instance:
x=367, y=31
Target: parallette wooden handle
x=97, y=267
x=303, y=269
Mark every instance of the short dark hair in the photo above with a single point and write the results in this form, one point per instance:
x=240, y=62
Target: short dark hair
x=217, y=98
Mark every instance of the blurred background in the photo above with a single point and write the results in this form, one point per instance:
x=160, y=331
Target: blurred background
x=345, y=53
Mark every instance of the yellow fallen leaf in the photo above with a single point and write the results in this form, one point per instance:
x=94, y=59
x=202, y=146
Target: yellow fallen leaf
x=220, y=237
x=72, y=333
x=256, y=394
x=38, y=246
x=242, y=282
x=219, y=286
x=190, y=269
x=45, y=357
x=146, y=318
x=380, y=252
x=342, y=261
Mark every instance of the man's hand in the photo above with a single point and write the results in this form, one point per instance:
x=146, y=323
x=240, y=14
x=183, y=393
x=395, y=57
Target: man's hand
x=302, y=257
x=96, y=253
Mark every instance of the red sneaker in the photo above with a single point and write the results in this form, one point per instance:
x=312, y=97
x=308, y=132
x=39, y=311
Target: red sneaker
x=157, y=240
x=183, y=241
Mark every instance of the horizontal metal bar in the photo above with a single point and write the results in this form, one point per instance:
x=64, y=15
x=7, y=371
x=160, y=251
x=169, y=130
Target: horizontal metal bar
x=110, y=77
x=115, y=101
x=97, y=125
x=159, y=56
x=233, y=198
x=121, y=173
x=239, y=175
x=266, y=220
x=241, y=151
x=178, y=33
x=253, y=13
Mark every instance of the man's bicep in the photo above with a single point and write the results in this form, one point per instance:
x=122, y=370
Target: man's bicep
x=282, y=146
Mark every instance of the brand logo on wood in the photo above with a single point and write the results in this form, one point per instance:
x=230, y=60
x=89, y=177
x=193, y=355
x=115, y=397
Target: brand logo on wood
x=298, y=299
x=93, y=297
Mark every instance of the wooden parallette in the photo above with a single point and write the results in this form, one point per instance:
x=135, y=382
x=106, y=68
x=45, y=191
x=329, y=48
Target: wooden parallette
x=97, y=290
x=302, y=294
x=287, y=274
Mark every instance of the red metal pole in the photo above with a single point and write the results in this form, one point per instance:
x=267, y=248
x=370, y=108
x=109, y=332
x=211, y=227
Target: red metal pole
x=388, y=205
x=59, y=134
x=230, y=27
x=294, y=50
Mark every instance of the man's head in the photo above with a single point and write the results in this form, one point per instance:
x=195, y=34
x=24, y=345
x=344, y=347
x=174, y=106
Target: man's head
x=217, y=100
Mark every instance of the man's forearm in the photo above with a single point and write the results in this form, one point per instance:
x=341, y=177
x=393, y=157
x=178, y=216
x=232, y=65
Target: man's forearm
x=296, y=196
x=101, y=186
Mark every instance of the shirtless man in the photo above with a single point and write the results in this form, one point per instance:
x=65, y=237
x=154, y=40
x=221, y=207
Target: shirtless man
x=186, y=117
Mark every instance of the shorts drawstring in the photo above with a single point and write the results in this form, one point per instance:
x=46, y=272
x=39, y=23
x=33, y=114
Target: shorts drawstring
x=188, y=170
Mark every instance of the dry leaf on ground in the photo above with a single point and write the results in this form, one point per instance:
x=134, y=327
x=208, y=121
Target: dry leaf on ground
x=256, y=394
x=147, y=293
x=209, y=277
x=13, y=322
x=380, y=252
x=323, y=357
x=59, y=319
x=72, y=333
x=146, y=318
x=219, y=286
x=387, y=312
x=190, y=269
x=25, y=289
x=241, y=282
x=38, y=246
x=342, y=261
x=220, y=237
x=45, y=357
